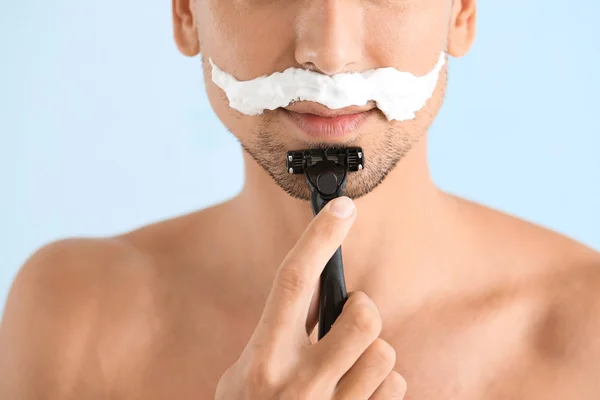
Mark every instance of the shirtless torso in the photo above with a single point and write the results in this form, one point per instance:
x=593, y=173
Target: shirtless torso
x=162, y=311
x=478, y=305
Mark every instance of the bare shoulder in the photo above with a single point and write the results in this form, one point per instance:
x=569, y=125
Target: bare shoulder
x=58, y=303
x=75, y=273
x=78, y=305
x=518, y=241
x=563, y=277
x=565, y=338
x=72, y=274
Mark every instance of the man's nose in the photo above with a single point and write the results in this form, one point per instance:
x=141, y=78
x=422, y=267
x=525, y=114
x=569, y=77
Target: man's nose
x=329, y=36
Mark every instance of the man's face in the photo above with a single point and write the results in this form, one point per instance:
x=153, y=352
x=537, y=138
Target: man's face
x=251, y=38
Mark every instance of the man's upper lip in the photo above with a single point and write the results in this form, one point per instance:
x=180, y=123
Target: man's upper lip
x=322, y=111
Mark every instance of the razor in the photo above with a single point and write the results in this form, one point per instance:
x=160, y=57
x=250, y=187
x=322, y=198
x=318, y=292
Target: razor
x=326, y=171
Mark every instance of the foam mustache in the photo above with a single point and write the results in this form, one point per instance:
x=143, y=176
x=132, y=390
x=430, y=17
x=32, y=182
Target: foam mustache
x=399, y=95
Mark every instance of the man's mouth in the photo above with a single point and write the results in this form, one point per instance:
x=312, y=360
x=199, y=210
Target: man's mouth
x=319, y=122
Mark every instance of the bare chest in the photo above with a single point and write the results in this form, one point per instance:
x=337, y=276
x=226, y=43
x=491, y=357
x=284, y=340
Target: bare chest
x=479, y=361
x=469, y=350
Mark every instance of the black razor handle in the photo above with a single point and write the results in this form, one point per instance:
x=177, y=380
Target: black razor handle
x=332, y=285
x=333, y=293
x=326, y=172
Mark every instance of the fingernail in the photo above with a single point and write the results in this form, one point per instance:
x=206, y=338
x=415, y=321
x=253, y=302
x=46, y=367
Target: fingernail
x=342, y=207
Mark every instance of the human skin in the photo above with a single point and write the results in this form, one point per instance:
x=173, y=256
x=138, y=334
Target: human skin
x=476, y=304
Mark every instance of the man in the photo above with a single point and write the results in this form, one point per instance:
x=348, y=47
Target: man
x=449, y=299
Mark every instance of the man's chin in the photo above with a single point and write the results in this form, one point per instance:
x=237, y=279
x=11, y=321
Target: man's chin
x=358, y=183
x=270, y=143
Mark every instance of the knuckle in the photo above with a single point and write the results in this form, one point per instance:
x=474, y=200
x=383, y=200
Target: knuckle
x=365, y=319
x=363, y=313
x=359, y=298
x=397, y=385
x=384, y=352
x=260, y=376
x=291, y=280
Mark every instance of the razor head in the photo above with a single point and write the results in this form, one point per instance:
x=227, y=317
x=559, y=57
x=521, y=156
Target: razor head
x=350, y=159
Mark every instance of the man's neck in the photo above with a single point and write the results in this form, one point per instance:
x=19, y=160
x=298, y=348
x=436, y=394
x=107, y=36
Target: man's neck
x=397, y=225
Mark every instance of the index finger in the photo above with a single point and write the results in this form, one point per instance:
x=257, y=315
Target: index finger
x=287, y=307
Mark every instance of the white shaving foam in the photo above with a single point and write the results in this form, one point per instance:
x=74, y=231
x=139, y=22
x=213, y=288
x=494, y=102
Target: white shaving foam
x=399, y=95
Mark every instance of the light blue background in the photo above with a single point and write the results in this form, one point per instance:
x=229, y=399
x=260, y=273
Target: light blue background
x=105, y=127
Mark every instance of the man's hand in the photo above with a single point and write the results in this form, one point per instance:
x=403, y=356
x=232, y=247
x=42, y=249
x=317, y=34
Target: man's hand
x=280, y=362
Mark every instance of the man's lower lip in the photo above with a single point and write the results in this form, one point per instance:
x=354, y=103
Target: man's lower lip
x=323, y=127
